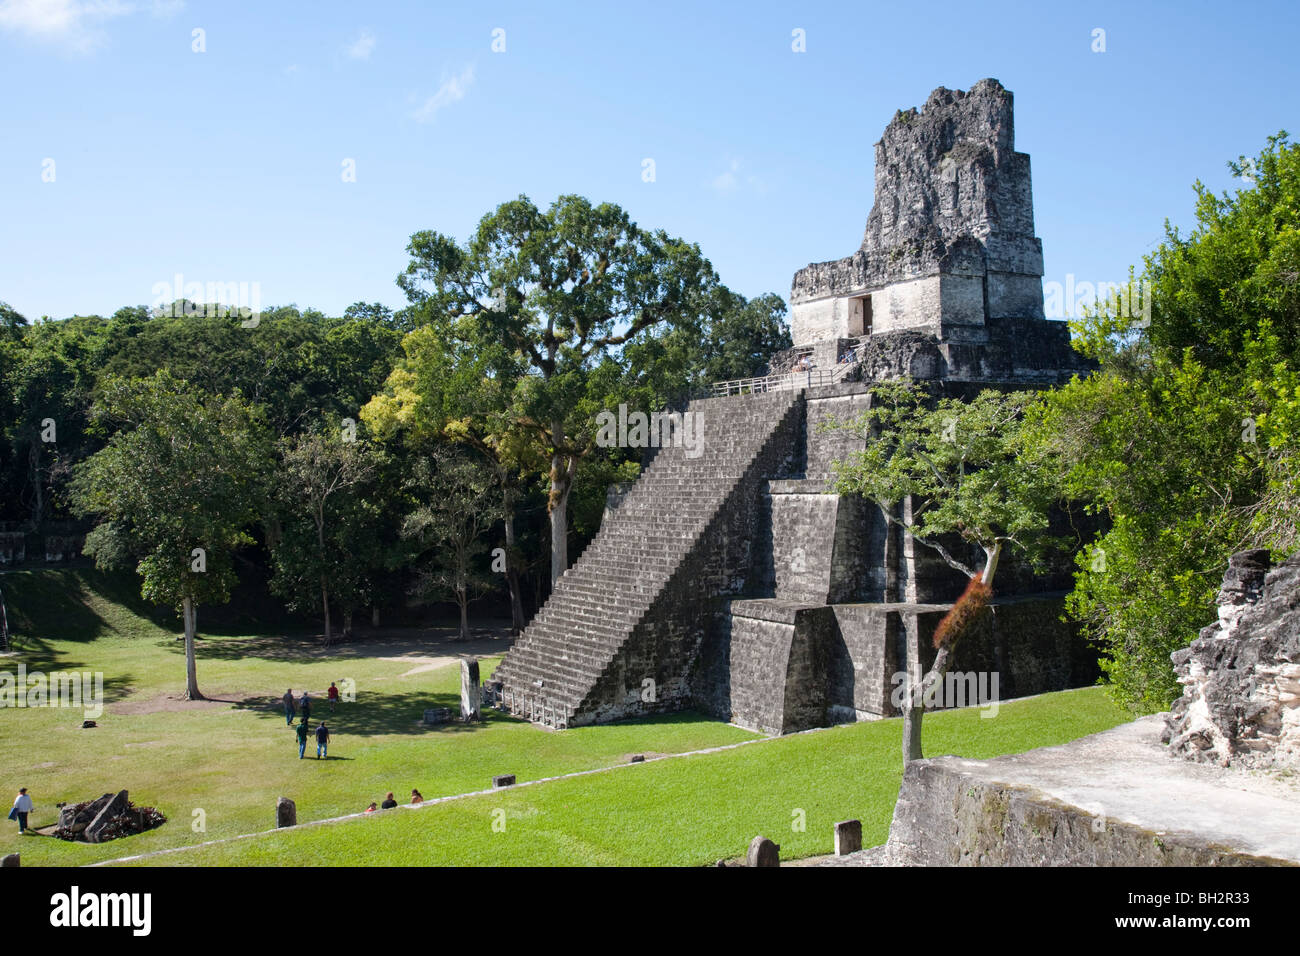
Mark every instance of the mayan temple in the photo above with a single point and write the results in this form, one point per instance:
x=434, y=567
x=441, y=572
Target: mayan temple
x=728, y=579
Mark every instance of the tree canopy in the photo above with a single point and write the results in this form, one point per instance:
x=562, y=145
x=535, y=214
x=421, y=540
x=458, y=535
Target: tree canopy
x=1184, y=441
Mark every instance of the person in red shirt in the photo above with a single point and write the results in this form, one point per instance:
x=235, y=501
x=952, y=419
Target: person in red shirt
x=333, y=696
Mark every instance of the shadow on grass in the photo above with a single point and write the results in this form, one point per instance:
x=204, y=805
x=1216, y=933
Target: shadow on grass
x=37, y=656
x=380, y=714
x=59, y=603
x=307, y=647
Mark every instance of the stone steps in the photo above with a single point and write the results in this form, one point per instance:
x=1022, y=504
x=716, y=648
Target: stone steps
x=624, y=574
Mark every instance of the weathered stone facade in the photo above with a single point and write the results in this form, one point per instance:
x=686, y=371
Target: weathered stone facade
x=735, y=581
x=949, y=243
x=1241, y=677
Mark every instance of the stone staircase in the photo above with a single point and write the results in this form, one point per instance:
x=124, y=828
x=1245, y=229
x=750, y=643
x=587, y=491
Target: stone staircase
x=620, y=632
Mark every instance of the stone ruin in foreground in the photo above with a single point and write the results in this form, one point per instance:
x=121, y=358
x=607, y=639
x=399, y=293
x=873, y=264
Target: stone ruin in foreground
x=1211, y=783
x=1241, y=678
x=730, y=581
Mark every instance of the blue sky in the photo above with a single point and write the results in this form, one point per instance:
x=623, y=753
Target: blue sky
x=227, y=165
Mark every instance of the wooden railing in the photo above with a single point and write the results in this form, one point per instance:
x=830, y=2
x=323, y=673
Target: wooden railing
x=808, y=378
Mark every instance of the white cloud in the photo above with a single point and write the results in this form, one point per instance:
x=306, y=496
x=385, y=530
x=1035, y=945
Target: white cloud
x=362, y=46
x=731, y=179
x=75, y=24
x=452, y=90
x=727, y=181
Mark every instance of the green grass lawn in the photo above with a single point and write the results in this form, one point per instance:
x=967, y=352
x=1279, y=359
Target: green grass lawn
x=233, y=761
x=685, y=811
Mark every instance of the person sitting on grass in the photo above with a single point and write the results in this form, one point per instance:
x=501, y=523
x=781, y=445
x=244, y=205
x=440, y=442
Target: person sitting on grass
x=302, y=738
x=389, y=803
x=322, y=741
x=372, y=808
x=416, y=798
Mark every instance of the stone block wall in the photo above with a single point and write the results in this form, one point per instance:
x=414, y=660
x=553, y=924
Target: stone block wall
x=841, y=403
x=51, y=542
x=862, y=661
x=767, y=663
x=13, y=547
x=1024, y=641
x=662, y=646
x=1241, y=677
x=743, y=664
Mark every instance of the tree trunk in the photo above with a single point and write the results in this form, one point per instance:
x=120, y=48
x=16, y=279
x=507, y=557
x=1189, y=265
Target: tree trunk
x=562, y=469
x=539, y=577
x=915, y=712
x=191, y=673
x=374, y=615
x=991, y=556
x=890, y=557
x=347, y=623
x=324, y=588
x=462, y=598
x=4, y=625
x=512, y=572
x=912, y=733
x=916, y=704
x=325, y=604
x=38, y=503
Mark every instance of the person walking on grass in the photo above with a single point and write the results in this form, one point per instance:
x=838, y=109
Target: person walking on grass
x=333, y=696
x=288, y=706
x=305, y=706
x=322, y=741
x=302, y=738
x=22, y=807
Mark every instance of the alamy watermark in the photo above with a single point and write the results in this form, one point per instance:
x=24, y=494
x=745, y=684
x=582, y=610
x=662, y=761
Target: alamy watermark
x=213, y=300
x=957, y=689
x=656, y=430
x=82, y=689
x=1072, y=299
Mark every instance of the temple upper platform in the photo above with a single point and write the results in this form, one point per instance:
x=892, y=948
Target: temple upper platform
x=949, y=243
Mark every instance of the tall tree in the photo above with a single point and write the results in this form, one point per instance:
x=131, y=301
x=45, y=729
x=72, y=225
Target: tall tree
x=742, y=337
x=556, y=294
x=1184, y=440
x=320, y=553
x=446, y=391
x=458, y=504
x=176, y=486
x=946, y=471
x=1210, y=289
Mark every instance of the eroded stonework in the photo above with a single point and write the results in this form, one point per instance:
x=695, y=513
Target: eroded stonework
x=949, y=243
x=1241, y=677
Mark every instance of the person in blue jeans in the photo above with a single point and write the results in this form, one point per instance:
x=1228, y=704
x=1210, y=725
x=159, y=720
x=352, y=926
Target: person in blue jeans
x=322, y=741
x=288, y=706
x=22, y=807
x=302, y=738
